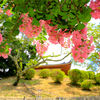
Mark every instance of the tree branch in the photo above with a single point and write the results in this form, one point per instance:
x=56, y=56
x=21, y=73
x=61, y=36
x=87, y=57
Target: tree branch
x=32, y=66
x=58, y=59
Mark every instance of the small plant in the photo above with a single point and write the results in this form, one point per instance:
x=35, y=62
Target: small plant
x=91, y=74
x=86, y=84
x=30, y=74
x=84, y=76
x=97, y=78
x=44, y=73
x=74, y=75
x=57, y=75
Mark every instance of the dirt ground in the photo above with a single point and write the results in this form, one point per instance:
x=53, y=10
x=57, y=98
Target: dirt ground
x=44, y=88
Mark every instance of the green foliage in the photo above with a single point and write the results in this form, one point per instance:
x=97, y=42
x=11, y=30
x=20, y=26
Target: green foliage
x=97, y=78
x=84, y=75
x=44, y=73
x=86, y=84
x=75, y=75
x=30, y=74
x=73, y=11
x=57, y=75
x=80, y=26
x=35, y=22
x=8, y=24
x=91, y=74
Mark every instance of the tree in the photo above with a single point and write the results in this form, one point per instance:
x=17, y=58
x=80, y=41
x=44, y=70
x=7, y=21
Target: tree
x=63, y=21
x=94, y=58
x=20, y=57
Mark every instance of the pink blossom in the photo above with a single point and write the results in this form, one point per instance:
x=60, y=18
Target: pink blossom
x=8, y=12
x=95, y=5
x=1, y=39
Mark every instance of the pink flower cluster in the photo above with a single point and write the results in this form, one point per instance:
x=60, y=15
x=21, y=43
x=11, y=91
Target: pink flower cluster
x=55, y=36
x=95, y=5
x=8, y=12
x=5, y=55
x=27, y=28
x=41, y=48
x=1, y=39
x=82, y=46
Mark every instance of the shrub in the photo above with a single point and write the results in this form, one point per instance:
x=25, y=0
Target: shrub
x=57, y=75
x=91, y=74
x=74, y=75
x=30, y=74
x=44, y=73
x=84, y=75
x=97, y=78
x=86, y=84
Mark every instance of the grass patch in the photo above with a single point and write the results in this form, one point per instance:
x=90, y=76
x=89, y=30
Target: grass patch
x=30, y=82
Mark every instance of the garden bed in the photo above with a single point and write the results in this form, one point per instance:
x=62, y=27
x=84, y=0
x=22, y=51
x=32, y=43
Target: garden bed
x=45, y=88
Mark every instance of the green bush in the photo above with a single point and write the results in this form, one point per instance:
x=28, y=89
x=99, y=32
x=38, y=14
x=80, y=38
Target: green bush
x=97, y=78
x=75, y=75
x=29, y=74
x=44, y=73
x=84, y=75
x=91, y=74
x=57, y=75
x=86, y=84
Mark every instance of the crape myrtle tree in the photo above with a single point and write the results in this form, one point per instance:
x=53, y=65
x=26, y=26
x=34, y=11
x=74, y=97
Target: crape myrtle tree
x=19, y=55
x=18, y=46
x=61, y=22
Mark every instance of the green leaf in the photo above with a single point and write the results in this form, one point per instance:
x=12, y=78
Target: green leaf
x=7, y=48
x=72, y=6
x=56, y=1
x=44, y=38
x=15, y=32
x=49, y=16
x=35, y=22
x=83, y=2
x=39, y=16
x=72, y=21
x=64, y=17
x=64, y=7
x=80, y=26
x=85, y=18
x=67, y=1
x=76, y=2
x=31, y=12
x=62, y=1
x=19, y=1
x=8, y=24
x=71, y=15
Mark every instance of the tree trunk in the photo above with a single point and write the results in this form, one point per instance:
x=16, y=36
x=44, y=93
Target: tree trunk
x=17, y=80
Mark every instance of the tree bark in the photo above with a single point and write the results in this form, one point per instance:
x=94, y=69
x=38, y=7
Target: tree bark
x=17, y=80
